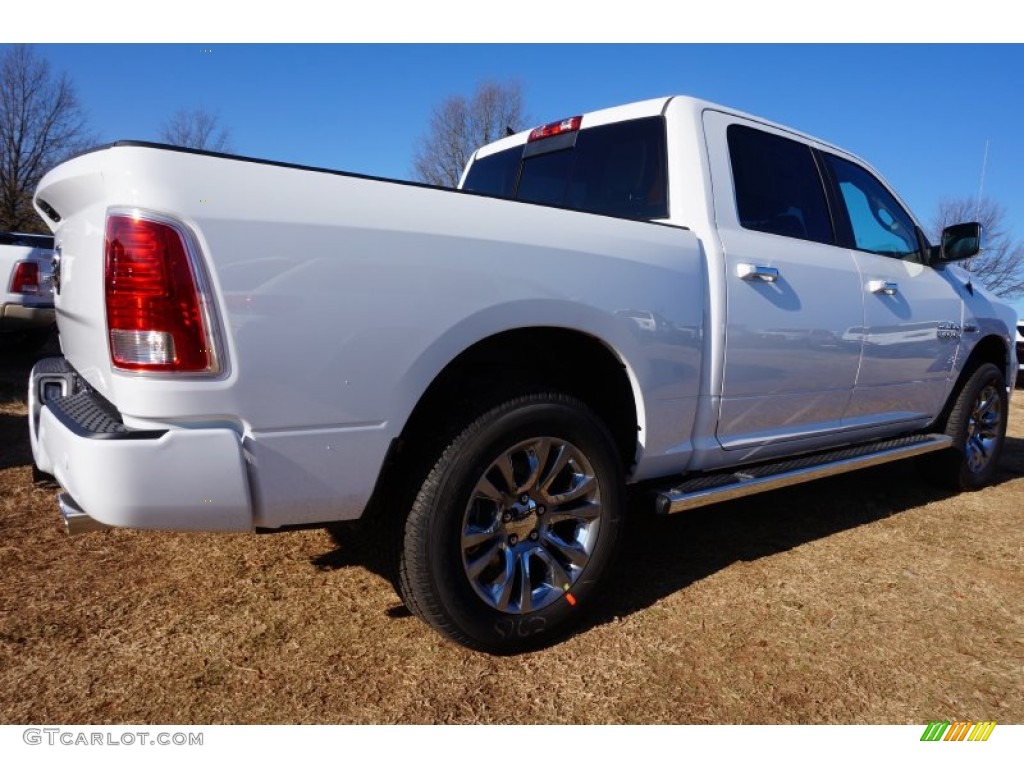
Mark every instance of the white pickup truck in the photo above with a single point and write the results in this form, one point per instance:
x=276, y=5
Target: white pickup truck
x=26, y=293
x=669, y=294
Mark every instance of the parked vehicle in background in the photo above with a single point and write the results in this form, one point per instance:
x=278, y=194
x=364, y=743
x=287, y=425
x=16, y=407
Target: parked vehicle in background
x=26, y=294
x=670, y=293
x=1020, y=354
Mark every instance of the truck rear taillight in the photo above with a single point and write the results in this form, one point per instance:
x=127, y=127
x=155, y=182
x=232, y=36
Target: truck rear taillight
x=26, y=278
x=568, y=125
x=157, y=316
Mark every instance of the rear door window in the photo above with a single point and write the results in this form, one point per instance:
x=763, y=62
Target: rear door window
x=778, y=187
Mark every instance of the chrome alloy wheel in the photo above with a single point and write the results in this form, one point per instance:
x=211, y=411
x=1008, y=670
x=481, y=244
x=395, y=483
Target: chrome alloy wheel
x=531, y=525
x=983, y=428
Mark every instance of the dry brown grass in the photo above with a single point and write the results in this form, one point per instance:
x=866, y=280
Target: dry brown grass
x=869, y=598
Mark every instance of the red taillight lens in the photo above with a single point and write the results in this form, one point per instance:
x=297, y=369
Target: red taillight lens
x=568, y=125
x=154, y=308
x=26, y=278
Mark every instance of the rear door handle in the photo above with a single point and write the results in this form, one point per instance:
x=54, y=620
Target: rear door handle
x=884, y=287
x=755, y=272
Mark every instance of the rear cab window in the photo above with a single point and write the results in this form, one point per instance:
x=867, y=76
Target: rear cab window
x=495, y=174
x=618, y=169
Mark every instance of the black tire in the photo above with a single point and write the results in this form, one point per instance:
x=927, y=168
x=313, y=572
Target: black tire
x=513, y=528
x=977, y=424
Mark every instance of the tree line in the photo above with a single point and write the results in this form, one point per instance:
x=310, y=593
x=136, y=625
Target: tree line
x=42, y=123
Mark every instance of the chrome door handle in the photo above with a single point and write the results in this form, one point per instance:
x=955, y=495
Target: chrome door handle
x=884, y=287
x=755, y=272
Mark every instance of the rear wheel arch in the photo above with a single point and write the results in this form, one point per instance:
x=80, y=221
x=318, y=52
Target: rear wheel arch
x=510, y=362
x=471, y=384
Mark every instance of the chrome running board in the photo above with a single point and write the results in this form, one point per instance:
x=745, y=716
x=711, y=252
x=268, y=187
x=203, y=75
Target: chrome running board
x=733, y=484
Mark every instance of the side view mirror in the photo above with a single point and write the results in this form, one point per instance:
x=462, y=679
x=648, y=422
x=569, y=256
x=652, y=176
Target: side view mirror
x=959, y=242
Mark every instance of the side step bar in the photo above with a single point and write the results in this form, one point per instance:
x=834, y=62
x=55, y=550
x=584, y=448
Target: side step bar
x=713, y=488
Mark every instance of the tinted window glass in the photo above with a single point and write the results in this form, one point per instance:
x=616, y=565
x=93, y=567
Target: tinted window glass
x=879, y=223
x=616, y=169
x=778, y=187
x=495, y=174
x=545, y=178
x=29, y=241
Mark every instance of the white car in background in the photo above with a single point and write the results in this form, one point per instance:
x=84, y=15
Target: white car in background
x=1020, y=354
x=26, y=290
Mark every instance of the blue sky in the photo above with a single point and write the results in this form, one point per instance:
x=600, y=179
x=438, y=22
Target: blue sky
x=920, y=113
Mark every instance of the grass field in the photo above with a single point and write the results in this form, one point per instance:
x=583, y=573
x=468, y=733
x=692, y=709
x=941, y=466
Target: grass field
x=868, y=598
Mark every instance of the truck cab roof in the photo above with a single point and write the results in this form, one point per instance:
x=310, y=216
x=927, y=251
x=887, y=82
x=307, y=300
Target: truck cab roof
x=640, y=109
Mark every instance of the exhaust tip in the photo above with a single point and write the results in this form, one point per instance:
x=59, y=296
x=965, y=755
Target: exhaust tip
x=76, y=521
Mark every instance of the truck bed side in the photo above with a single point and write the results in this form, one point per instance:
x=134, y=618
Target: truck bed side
x=340, y=298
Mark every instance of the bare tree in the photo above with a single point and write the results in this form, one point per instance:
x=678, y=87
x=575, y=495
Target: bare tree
x=1000, y=266
x=41, y=124
x=196, y=129
x=459, y=125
